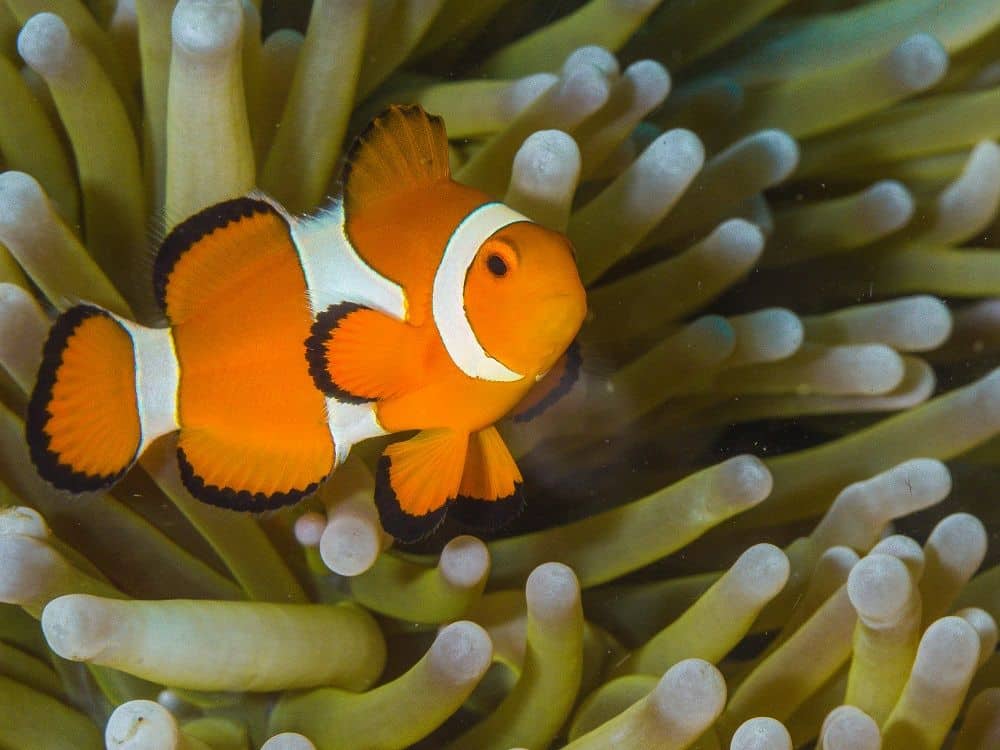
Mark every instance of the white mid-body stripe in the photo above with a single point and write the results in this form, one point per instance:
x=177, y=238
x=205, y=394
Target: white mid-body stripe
x=448, y=295
x=157, y=376
x=351, y=424
x=335, y=272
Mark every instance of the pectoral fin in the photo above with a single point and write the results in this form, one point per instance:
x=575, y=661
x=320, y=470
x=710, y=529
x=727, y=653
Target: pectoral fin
x=357, y=354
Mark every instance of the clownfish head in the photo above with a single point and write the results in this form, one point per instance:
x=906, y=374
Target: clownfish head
x=524, y=298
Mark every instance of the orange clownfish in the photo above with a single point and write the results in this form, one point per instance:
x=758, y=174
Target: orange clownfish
x=413, y=303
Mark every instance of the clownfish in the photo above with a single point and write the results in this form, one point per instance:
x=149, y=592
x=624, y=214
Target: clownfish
x=412, y=303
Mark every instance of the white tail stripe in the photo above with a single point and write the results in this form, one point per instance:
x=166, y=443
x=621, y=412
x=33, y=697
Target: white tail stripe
x=448, y=296
x=157, y=376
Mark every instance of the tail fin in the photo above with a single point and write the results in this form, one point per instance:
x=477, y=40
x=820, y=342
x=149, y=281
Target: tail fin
x=84, y=426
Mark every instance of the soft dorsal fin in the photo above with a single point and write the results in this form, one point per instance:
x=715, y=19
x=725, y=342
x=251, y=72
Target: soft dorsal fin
x=401, y=150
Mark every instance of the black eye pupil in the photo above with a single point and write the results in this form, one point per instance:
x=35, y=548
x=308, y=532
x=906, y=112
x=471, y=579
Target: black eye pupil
x=497, y=265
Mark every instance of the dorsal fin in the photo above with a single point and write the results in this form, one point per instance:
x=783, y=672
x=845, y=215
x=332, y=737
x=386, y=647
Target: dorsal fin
x=401, y=150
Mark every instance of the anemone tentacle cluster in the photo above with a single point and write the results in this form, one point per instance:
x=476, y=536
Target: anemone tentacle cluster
x=761, y=520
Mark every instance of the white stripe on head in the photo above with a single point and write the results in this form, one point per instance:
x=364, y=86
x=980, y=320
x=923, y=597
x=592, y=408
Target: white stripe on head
x=448, y=295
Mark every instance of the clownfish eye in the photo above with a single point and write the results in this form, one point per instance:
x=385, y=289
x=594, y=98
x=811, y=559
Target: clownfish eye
x=497, y=265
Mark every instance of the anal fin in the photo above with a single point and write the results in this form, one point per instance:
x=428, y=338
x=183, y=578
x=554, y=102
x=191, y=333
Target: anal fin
x=357, y=354
x=251, y=473
x=417, y=479
x=491, y=493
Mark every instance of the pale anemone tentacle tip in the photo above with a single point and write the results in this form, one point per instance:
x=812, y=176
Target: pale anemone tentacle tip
x=849, y=728
x=207, y=27
x=884, y=207
x=461, y=653
x=142, y=725
x=47, y=46
x=879, y=587
x=762, y=733
x=288, y=741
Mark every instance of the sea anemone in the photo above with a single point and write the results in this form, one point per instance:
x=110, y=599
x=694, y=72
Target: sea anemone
x=792, y=253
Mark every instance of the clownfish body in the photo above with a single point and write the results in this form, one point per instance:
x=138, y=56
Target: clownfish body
x=413, y=303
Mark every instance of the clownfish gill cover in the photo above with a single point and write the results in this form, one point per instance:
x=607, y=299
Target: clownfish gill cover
x=414, y=303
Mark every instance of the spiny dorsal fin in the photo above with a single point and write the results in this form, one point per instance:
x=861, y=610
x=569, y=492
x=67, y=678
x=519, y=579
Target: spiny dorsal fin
x=403, y=149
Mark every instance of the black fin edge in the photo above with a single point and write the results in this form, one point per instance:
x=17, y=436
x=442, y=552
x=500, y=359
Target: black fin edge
x=193, y=229
x=322, y=329
x=60, y=475
x=401, y=525
x=241, y=500
x=489, y=515
x=574, y=361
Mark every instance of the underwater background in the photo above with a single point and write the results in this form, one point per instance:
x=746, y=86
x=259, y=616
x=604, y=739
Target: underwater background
x=766, y=516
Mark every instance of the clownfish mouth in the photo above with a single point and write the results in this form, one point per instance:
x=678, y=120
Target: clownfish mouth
x=540, y=376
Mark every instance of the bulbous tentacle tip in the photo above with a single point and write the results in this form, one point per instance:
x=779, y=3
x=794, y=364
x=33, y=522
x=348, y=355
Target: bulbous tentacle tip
x=766, y=336
x=948, y=653
x=850, y=728
x=959, y=543
x=650, y=82
x=761, y=733
x=552, y=592
x=461, y=653
x=547, y=162
x=47, y=46
x=20, y=520
x=76, y=626
x=969, y=203
x=288, y=741
x=917, y=63
x=22, y=201
x=880, y=588
x=761, y=572
x=741, y=481
x=678, y=153
x=885, y=207
x=690, y=696
x=553, y=149
x=207, y=28
x=141, y=725
x=582, y=91
x=309, y=528
x=28, y=566
x=736, y=242
x=351, y=541
x=987, y=629
x=593, y=56
x=464, y=562
x=906, y=550
x=525, y=91
x=772, y=155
